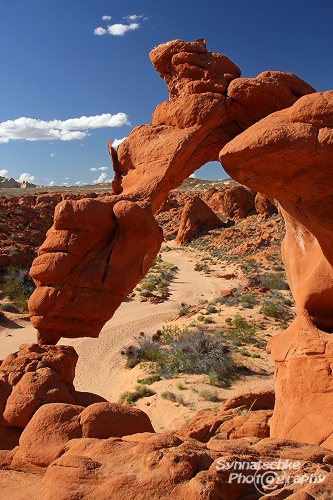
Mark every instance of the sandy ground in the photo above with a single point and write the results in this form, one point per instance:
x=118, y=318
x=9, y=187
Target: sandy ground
x=101, y=370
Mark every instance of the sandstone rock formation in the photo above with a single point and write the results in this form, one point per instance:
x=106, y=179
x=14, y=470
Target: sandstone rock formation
x=196, y=217
x=235, y=202
x=264, y=207
x=289, y=157
x=97, y=251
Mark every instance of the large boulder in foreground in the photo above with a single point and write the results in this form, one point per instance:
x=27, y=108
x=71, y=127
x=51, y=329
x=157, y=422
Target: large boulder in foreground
x=288, y=156
x=35, y=376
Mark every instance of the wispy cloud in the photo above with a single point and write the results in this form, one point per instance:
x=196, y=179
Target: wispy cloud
x=3, y=172
x=94, y=169
x=119, y=29
x=31, y=129
x=133, y=17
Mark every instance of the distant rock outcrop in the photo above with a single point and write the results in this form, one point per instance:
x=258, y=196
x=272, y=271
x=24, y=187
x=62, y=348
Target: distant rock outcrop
x=196, y=217
x=264, y=207
x=235, y=202
x=6, y=182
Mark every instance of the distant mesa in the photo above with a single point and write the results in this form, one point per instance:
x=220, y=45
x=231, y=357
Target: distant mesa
x=9, y=182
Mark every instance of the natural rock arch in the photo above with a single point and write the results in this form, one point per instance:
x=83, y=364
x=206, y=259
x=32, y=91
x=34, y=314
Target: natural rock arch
x=97, y=251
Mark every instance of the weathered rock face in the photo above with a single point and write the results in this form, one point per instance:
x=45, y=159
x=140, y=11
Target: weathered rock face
x=196, y=217
x=264, y=207
x=97, y=251
x=289, y=157
x=35, y=376
x=111, y=451
x=235, y=201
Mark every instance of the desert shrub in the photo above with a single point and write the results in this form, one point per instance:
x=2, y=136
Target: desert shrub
x=199, y=266
x=247, y=300
x=158, y=278
x=271, y=309
x=128, y=398
x=170, y=333
x=182, y=352
x=199, y=353
x=211, y=309
x=145, y=350
x=18, y=211
x=10, y=250
x=201, y=317
x=213, y=378
x=168, y=395
x=208, y=320
x=17, y=286
x=180, y=399
x=208, y=395
x=183, y=309
x=273, y=281
x=250, y=266
x=149, y=380
x=241, y=332
x=180, y=386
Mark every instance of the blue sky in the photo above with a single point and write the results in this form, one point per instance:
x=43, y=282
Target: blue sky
x=75, y=72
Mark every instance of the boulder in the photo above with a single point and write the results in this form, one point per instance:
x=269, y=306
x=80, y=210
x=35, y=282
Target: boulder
x=196, y=217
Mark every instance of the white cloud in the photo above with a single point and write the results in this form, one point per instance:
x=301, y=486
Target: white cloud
x=102, y=179
x=52, y=154
x=192, y=176
x=3, y=172
x=94, y=169
x=116, y=142
x=52, y=183
x=133, y=17
x=100, y=31
x=78, y=183
x=31, y=129
x=121, y=29
x=25, y=177
x=65, y=183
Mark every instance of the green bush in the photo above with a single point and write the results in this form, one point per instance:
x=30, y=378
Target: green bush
x=208, y=395
x=149, y=380
x=182, y=351
x=168, y=395
x=17, y=286
x=158, y=278
x=128, y=398
x=272, y=309
x=213, y=378
x=183, y=309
